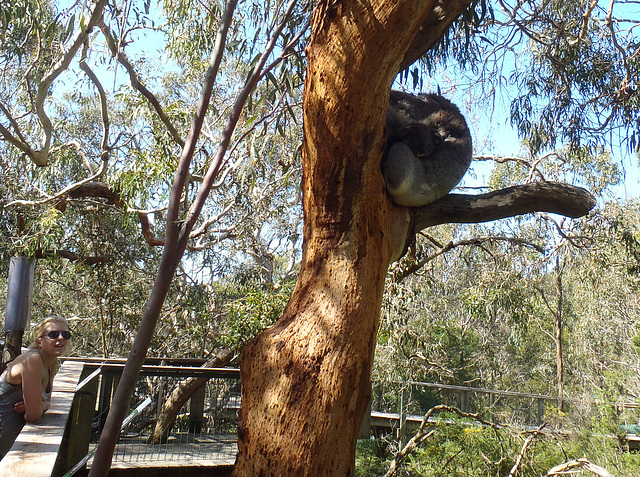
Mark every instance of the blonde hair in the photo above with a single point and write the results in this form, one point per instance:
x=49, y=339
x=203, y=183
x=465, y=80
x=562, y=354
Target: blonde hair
x=38, y=331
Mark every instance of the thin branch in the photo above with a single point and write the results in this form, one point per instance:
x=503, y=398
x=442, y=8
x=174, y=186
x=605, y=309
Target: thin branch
x=137, y=84
x=104, y=111
x=172, y=254
x=11, y=139
x=585, y=22
x=14, y=123
x=470, y=241
x=219, y=158
x=526, y=444
x=623, y=53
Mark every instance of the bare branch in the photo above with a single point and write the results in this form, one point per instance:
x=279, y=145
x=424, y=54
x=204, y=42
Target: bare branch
x=585, y=22
x=526, y=444
x=11, y=139
x=172, y=254
x=137, y=84
x=104, y=111
x=41, y=157
x=423, y=434
x=16, y=127
x=459, y=243
x=553, y=197
x=626, y=83
x=219, y=158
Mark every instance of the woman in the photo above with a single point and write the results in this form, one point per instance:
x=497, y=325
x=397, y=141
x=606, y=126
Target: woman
x=25, y=386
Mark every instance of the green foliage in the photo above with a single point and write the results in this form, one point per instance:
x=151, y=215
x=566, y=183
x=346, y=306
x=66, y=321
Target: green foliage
x=250, y=314
x=462, y=448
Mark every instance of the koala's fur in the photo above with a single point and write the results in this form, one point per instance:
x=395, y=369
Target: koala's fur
x=428, y=148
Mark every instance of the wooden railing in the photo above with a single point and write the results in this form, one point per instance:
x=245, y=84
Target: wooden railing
x=61, y=437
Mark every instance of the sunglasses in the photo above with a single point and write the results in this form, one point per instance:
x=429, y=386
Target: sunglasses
x=53, y=335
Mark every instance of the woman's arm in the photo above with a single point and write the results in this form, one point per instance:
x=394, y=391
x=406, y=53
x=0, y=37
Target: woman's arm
x=31, y=371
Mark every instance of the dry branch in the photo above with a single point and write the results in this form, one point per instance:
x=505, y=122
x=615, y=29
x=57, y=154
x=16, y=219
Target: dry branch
x=578, y=464
x=526, y=444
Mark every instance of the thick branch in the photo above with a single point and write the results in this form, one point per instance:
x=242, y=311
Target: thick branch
x=439, y=20
x=553, y=197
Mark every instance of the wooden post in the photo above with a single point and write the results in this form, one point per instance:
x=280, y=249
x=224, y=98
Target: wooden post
x=108, y=383
x=19, y=298
x=464, y=400
x=540, y=411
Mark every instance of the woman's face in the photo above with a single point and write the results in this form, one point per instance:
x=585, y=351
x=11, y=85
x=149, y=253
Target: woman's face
x=53, y=342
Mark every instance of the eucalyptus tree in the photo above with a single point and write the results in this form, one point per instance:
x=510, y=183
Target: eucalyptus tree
x=305, y=381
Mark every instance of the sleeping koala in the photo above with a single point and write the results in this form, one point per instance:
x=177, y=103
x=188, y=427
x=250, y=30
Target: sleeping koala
x=428, y=148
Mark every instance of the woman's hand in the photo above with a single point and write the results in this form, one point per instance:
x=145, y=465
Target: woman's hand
x=19, y=407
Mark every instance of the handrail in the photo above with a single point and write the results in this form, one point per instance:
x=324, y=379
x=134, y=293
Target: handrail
x=453, y=387
x=36, y=448
x=161, y=367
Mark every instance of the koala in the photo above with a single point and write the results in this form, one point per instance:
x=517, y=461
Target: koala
x=428, y=148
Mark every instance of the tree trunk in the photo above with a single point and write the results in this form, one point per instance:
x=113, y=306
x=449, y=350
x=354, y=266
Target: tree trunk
x=559, y=324
x=306, y=380
x=180, y=395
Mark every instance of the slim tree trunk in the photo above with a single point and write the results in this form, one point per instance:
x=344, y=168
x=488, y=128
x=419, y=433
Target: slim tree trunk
x=559, y=324
x=179, y=397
